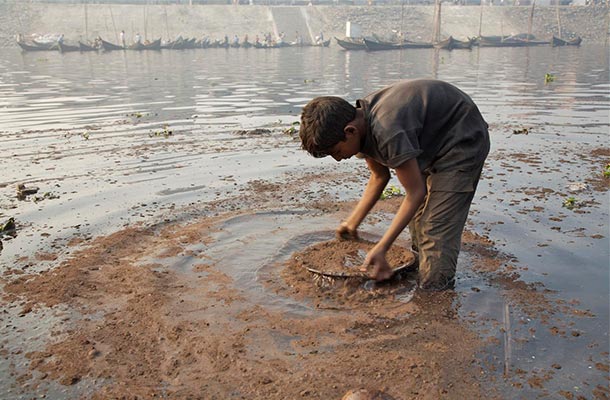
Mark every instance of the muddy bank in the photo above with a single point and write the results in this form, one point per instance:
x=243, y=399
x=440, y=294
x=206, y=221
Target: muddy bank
x=156, y=21
x=162, y=310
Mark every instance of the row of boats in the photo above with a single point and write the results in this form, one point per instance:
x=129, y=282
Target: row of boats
x=179, y=44
x=520, y=40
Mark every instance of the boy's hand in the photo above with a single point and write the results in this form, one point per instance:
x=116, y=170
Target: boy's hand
x=344, y=231
x=377, y=263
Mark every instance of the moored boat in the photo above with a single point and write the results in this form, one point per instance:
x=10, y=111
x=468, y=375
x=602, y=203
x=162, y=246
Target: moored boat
x=86, y=47
x=450, y=43
x=555, y=41
x=34, y=47
x=107, y=46
x=510, y=42
x=351, y=44
x=66, y=48
x=154, y=45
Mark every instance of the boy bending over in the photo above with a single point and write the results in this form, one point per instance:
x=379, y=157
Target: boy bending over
x=434, y=137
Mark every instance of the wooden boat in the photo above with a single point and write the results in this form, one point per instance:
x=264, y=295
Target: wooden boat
x=351, y=44
x=555, y=41
x=85, y=47
x=509, y=42
x=66, y=48
x=325, y=43
x=33, y=47
x=376, y=45
x=49, y=44
x=107, y=46
x=154, y=45
x=450, y=43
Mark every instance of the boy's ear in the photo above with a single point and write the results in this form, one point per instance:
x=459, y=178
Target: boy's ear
x=349, y=129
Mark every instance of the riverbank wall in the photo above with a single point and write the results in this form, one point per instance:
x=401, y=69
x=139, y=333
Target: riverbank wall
x=79, y=21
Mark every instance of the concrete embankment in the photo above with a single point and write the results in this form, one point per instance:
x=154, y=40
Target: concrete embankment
x=153, y=21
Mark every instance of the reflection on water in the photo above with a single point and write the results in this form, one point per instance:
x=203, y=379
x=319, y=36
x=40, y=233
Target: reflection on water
x=86, y=127
x=71, y=90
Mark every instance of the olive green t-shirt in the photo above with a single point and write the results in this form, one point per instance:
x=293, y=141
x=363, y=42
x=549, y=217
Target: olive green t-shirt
x=430, y=120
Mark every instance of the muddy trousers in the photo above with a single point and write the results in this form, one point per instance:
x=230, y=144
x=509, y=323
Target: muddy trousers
x=436, y=232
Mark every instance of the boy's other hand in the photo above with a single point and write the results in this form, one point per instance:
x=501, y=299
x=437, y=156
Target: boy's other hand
x=344, y=231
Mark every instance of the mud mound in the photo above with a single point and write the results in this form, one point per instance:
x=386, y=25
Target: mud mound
x=345, y=257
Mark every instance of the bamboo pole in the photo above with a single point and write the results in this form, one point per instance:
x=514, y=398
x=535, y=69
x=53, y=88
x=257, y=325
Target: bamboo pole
x=86, y=22
x=530, y=21
x=169, y=38
x=558, y=19
x=481, y=18
x=145, y=22
x=116, y=35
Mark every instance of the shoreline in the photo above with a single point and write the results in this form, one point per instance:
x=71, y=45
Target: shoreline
x=157, y=21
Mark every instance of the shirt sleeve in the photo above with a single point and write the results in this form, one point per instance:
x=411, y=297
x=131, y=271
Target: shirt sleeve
x=400, y=147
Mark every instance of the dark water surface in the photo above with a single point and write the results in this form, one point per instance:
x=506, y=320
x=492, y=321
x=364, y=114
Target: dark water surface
x=92, y=129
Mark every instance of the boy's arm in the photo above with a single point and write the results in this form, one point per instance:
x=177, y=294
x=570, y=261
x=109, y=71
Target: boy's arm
x=411, y=179
x=380, y=176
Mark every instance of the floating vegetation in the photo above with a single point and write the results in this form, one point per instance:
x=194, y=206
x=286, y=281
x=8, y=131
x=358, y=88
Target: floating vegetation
x=45, y=196
x=293, y=130
x=85, y=135
x=570, y=203
x=135, y=115
x=390, y=191
x=548, y=78
x=607, y=171
x=165, y=132
x=523, y=131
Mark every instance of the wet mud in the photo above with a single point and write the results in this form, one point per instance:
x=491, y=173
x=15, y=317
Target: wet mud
x=156, y=311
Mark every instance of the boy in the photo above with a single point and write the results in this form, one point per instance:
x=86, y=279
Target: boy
x=434, y=137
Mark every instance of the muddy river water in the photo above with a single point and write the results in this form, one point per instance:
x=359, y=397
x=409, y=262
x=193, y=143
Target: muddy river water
x=181, y=170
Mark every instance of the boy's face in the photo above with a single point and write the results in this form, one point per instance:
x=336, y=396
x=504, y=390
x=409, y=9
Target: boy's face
x=346, y=148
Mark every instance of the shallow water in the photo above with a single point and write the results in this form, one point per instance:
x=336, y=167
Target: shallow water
x=89, y=128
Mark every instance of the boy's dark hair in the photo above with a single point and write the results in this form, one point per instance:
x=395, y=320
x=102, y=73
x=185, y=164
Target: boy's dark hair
x=322, y=123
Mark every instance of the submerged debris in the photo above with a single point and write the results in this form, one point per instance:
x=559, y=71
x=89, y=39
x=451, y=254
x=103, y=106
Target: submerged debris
x=23, y=191
x=523, y=131
x=364, y=394
x=253, y=132
x=8, y=227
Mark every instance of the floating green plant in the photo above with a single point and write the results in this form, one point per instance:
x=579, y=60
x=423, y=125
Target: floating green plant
x=523, y=131
x=45, y=196
x=570, y=203
x=293, y=130
x=607, y=171
x=548, y=78
x=390, y=191
x=166, y=132
x=85, y=135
